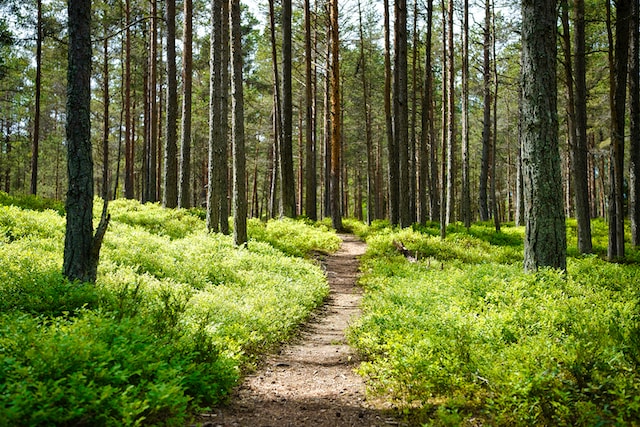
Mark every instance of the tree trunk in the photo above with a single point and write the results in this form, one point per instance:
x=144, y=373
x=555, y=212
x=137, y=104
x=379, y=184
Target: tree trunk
x=580, y=150
x=466, y=190
x=327, y=125
x=286, y=145
x=445, y=123
x=152, y=143
x=35, y=149
x=415, y=57
x=392, y=146
x=618, y=66
x=222, y=146
x=486, y=129
x=129, y=153
x=371, y=190
x=170, y=175
x=336, y=211
x=214, y=189
x=81, y=247
x=545, y=235
x=451, y=128
x=400, y=110
x=494, y=142
x=427, y=143
x=237, y=111
x=634, y=123
x=311, y=183
x=105, y=117
x=187, y=83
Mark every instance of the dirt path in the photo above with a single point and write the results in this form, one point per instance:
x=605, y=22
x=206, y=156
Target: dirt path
x=311, y=382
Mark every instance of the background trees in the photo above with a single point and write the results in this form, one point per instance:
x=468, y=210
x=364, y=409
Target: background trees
x=392, y=163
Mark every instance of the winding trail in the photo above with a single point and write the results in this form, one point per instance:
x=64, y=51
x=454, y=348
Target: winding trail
x=311, y=382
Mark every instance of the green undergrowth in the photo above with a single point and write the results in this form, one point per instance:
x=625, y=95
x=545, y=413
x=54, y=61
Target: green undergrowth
x=177, y=314
x=463, y=337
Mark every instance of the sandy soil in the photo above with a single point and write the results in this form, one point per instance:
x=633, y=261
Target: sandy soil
x=311, y=382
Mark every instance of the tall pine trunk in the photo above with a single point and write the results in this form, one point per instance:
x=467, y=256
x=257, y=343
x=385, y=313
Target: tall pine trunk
x=581, y=150
x=81, y=246
x=634, y=123
x=545, y=233
x=187, y=83
x=237, y=112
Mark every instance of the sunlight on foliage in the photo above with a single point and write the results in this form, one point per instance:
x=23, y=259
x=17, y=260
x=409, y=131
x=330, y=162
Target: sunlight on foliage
x=175, y=317
x=464, y=334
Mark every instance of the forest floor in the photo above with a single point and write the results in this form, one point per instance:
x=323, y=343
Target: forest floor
x=311, y=381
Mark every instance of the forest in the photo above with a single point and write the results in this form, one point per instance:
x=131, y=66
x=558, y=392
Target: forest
x=457, y=108
x=171, y=173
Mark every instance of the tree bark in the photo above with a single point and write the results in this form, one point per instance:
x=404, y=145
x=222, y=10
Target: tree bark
x=152, y=139
x=466, y=189
x=545, y=235
x=426, y=183
x=634, y=123
x=187, y=83
x=35, y=148
x=311, y=183
x=170, y=188
x=129, y=156
x=81, y=247
x=618, y=67
x=286, y=145
x=105, y=117
x=336, y=211
x=392, y=146
x=486, y=128
x=214, y=188
x=237, y=111
x=580, y=150
x=400, y=110
x=451, y=126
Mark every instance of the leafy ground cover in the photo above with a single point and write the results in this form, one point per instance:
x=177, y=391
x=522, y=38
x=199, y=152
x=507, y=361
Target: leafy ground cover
x=464, y=337
x=175, y=317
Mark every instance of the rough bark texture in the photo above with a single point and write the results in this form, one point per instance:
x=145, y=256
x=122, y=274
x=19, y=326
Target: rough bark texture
x=545, y=238
x=451, y=120
x=222, y=146
x=466, y=185
x=486, y=129
x=618, y=104
x=81, y=248
x=580, y=150
x=105, y=118
x=425, y=184
x=187, y=83
x=152, y=136
x=237, y=112
x=129, y=156
x=170, y=178
x=311, y=183
x=288, y=187
x=214, y=196
x=400, y=109
x=336, y=131
x=35, y=148
x=392, y=146
x=634, y=124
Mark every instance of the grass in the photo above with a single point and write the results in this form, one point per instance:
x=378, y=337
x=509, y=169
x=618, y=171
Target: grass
x=175, y=318
x=463, y=336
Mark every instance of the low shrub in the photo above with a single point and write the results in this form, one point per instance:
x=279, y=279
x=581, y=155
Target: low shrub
x=176, y=315
x=463, y=335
